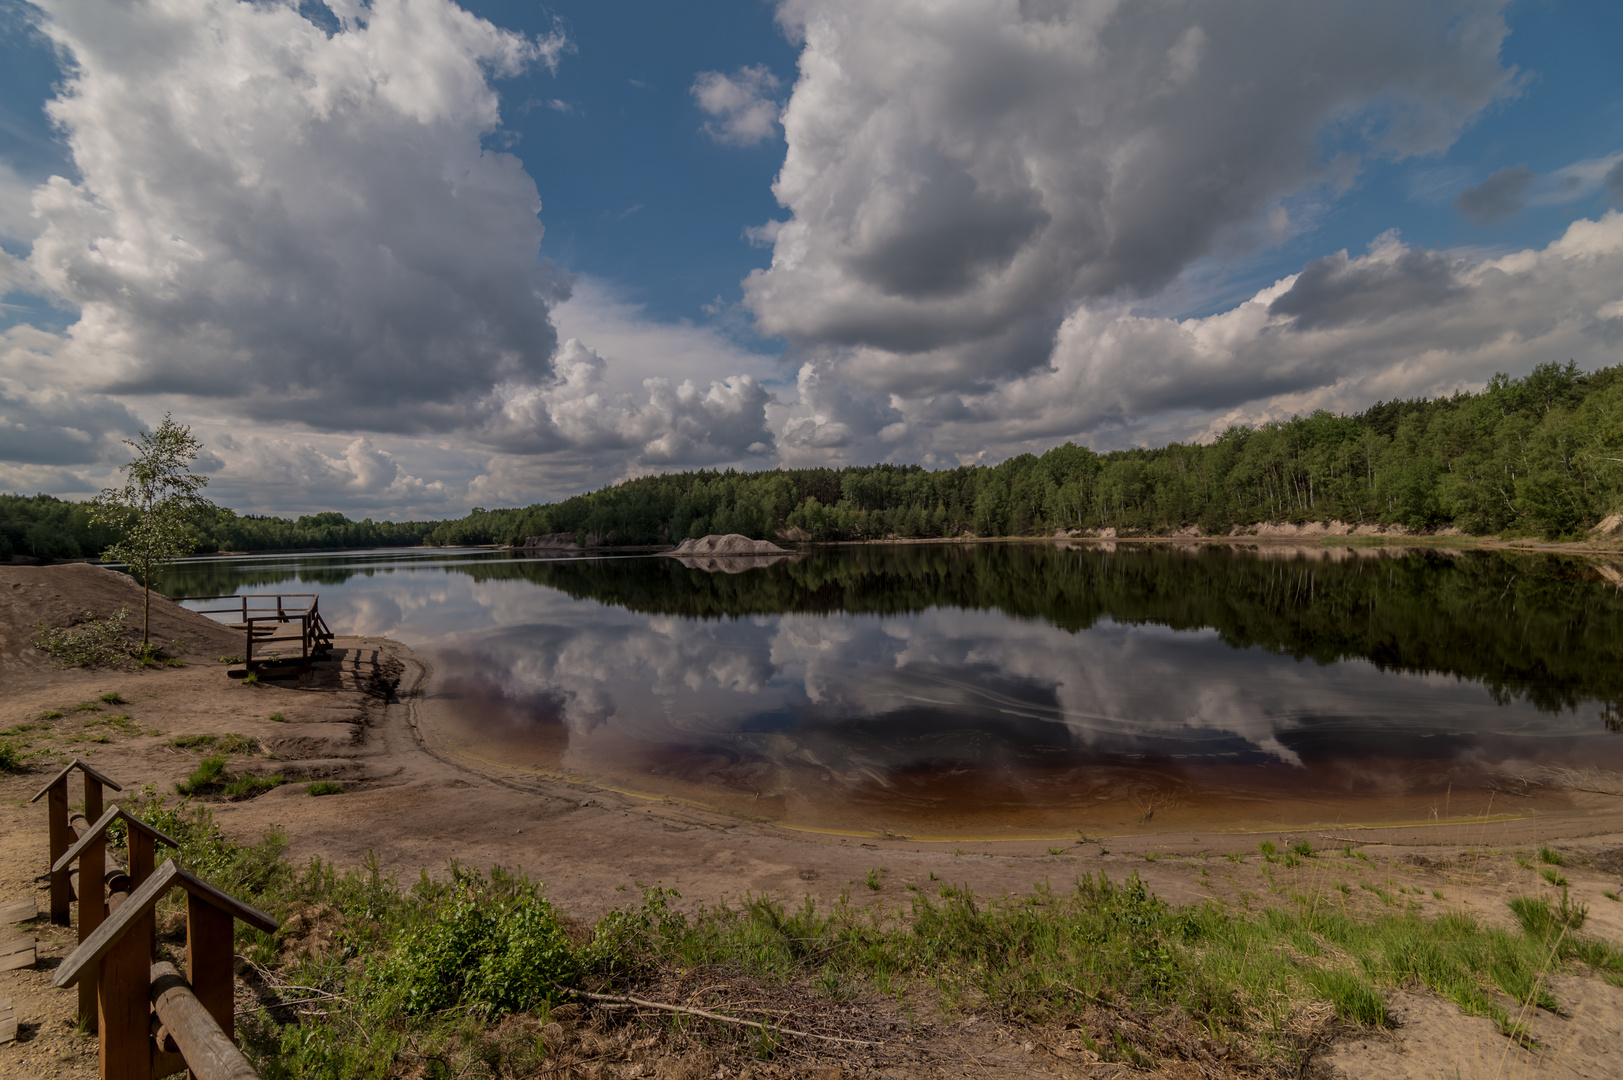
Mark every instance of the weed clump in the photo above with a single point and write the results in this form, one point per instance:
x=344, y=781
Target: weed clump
x=325, y=787
x=95, y=641
x=11, y=759
x=210, y=778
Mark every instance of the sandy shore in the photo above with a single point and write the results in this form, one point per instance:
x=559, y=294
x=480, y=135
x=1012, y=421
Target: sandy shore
x=367, y=719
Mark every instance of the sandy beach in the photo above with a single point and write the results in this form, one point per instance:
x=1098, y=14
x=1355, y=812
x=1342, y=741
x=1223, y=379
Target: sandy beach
x=415, y=799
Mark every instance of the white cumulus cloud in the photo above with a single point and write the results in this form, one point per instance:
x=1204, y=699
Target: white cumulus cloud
x=962, y=174
x=741, y=106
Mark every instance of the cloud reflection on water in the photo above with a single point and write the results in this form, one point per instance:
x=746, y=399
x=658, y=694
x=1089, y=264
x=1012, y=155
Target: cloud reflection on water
x=893, y=701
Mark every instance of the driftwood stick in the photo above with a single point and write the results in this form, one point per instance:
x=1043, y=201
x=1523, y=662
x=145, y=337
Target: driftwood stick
x=688, y=1010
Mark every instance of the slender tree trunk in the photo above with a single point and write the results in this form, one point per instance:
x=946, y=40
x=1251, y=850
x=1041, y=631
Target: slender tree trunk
x=146, y=605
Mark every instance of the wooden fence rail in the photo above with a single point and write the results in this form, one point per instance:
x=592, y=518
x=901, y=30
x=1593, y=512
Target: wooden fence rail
x=195, y=1014
x=100, y=892
x=261, y=615
x=63, y=834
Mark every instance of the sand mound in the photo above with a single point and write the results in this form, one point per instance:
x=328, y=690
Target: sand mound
x=551, y=540
x=731, y=544
x=1610, y=526
x=60, y=595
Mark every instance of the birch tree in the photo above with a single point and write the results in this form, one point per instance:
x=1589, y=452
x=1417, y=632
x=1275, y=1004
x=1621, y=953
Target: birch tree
x=151, y=510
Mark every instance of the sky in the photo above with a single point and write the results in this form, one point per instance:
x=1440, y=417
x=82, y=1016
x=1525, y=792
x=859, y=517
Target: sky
x=407, y=257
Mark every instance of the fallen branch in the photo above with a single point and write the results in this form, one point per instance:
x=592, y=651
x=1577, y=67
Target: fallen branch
x=687, y=1010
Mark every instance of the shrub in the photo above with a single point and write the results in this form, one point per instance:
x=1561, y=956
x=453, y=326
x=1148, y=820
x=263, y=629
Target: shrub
x=490, y=958
x=94, y=642
x=11, y=760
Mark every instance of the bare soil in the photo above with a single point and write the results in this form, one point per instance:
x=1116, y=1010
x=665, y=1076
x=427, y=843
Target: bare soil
x=366, y=719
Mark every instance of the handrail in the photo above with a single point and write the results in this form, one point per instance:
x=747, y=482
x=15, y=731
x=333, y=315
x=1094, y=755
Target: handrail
x=119, y=955
x=208, y=1051
x=253, y=610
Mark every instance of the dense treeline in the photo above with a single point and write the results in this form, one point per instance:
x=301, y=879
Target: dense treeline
x=45, y=527
x=1541, y=455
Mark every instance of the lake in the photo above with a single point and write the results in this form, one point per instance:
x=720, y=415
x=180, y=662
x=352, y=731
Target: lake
x=999, y=689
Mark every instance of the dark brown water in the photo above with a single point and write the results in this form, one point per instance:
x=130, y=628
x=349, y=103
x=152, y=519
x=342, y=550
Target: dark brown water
x=954, y=690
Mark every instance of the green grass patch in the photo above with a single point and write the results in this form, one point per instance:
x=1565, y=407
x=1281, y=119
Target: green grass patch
x=248, y=785
x=203, y=778
x=11, y=758
x=251, y=679
x=326, y=787
x=113, y=697
x=1553, y=877
x=51, y=714
x=413, y=974
x=1549, y=855
x=87, y=706
x=277, y=718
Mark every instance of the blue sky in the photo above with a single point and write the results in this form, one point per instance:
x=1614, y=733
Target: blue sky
x=407, y=256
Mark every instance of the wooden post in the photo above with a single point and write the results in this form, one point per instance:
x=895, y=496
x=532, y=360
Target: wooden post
x=125, y=1006
x=209, y=954
x=56, y=811
x=143, y=855
x=92, y=910
x=92, y=896
x=93, y=802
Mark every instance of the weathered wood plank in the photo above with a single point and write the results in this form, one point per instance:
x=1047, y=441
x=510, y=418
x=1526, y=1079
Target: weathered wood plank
x=8, y=1021
x=15, y=911
x=18, y=953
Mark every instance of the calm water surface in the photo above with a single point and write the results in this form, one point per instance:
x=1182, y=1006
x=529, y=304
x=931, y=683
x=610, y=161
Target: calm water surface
x=988, y=689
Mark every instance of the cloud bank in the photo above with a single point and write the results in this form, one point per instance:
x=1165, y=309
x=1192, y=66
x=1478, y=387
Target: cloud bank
x=961, y=175
x=298, y=238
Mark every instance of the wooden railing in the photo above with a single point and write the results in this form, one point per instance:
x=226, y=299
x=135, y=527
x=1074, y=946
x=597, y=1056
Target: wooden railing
x=121, y=990
x=195, y=1014
x=262, y=615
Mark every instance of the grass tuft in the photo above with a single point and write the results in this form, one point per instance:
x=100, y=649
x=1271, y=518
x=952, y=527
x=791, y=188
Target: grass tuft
x=113, y=697
x=1549, y=855
x=206, y=775
x=325, y=787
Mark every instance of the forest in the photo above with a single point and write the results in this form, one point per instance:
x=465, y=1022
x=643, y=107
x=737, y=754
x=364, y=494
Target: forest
x=1535, y=456
x=47, y=528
